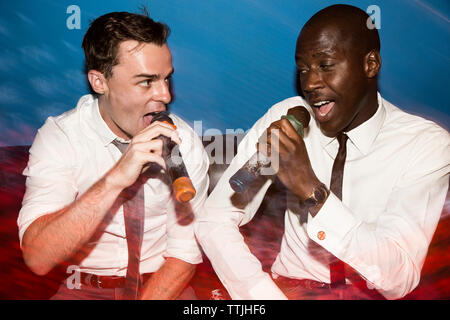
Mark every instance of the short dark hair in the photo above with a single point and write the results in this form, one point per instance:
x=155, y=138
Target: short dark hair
x=102, y=39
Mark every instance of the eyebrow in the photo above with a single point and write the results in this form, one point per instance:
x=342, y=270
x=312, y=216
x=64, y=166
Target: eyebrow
x=323, y=52
x=151, y=76
x=147, y=76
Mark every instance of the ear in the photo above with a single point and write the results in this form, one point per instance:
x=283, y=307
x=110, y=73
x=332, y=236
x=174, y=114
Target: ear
x=98, y=81
x=372, y=63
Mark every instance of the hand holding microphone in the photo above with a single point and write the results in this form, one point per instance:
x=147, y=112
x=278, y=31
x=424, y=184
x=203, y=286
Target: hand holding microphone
x=181, y=183
x=299, y=118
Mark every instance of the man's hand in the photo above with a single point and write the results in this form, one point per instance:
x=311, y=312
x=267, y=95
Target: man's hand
x=143, y=149
x=294, y=167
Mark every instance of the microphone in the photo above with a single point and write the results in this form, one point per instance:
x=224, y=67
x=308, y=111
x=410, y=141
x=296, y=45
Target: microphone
x=299, y=118
x=181, y=183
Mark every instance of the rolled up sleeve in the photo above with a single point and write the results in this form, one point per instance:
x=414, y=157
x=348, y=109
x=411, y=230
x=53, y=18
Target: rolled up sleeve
x=50, y=185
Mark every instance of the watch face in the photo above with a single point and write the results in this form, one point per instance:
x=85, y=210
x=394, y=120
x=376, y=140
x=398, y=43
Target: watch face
x=319, y=194
x=310, y=202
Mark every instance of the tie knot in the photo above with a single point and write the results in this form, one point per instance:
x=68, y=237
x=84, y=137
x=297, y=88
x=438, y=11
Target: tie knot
x=120, y=145
x=342, y=139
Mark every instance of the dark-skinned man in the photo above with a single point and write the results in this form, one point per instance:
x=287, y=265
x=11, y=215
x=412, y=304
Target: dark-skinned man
x=376, y=221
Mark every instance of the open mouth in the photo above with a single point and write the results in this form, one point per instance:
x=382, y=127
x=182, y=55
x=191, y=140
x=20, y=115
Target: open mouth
x=322, y=108
x=152, y=113
x=148, y=118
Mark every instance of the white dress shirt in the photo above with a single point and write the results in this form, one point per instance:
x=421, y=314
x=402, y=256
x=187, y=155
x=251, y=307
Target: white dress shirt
x=73, y=151
x=394, y=188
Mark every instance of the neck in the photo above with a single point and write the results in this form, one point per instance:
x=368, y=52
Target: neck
x=103, y=107
x=368, y=107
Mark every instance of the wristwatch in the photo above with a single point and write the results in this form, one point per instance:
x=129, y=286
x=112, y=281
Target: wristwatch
x=318, y=196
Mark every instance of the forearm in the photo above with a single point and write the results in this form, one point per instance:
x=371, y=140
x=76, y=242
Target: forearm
x=55, y=237
x=169, y=281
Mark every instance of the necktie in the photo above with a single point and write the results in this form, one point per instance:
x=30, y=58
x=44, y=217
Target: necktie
x=337, y=267
x=133, y=211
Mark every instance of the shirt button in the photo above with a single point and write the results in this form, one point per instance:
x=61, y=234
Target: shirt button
x=321, y=235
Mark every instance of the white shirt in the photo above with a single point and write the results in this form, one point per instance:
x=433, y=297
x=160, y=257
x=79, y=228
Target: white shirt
x=73, y=151
x=394, y=188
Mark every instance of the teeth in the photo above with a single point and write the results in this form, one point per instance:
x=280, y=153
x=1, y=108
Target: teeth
x=321, y=103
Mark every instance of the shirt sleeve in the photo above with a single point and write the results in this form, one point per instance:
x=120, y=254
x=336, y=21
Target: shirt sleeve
x=181, y=242
x=50, y=185
x=389, y=254
x=217, y=228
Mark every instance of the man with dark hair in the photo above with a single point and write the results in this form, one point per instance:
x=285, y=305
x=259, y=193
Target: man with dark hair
x=366, y=181
x=94, y=194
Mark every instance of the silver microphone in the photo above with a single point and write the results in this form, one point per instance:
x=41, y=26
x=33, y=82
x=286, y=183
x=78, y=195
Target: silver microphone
x=299, y=117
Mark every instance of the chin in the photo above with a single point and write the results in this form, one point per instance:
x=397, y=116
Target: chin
x=327, y=131
x=329, y=134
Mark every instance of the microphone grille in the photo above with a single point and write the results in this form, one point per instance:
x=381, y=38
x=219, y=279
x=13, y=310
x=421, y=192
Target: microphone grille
x=301, y=114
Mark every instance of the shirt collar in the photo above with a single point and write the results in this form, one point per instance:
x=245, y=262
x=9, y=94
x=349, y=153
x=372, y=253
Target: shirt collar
x=364, y=135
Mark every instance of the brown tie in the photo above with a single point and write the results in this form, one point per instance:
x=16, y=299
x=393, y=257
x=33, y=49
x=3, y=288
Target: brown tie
x=133, y=211
x=337, y=267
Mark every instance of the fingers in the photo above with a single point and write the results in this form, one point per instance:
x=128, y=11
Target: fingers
x=155, y=129
x=154, y=146
x=135, y=160
x=280, y=137
x=138, y=154
x=280, y=142
x=147, y=158
x=288, y=129
x=145, y=148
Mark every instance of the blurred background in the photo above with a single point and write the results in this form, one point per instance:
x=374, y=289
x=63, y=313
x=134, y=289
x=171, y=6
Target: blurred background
x=232, y=59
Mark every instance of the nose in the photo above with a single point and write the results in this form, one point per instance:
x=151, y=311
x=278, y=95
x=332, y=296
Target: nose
x=311, y=81
x=162, y=91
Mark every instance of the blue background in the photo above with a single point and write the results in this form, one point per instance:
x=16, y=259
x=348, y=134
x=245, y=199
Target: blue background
x=233, y=59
